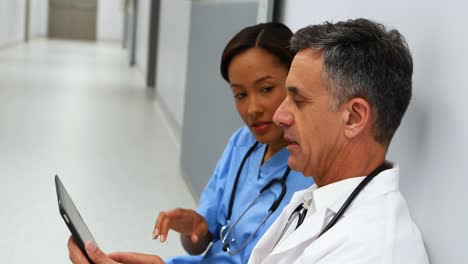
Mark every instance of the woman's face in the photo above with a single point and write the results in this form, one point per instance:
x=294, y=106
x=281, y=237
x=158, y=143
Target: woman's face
x=257, y=81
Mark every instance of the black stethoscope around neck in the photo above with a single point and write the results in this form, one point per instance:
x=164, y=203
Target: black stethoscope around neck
x=227, y=228
x=301, y=210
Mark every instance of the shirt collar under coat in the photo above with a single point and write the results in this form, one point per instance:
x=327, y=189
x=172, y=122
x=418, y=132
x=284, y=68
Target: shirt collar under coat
x=329, y=199
x=333, y=196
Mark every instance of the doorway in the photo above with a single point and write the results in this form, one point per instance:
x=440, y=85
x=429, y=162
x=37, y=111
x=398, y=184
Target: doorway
x=73, y=19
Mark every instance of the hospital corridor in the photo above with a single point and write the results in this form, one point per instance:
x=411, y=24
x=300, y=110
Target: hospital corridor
x=214, y=113
x=77, y=110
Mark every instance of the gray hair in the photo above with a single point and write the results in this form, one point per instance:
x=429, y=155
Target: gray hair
x=362, y=59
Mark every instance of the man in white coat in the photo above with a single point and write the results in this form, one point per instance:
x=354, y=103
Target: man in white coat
x=348, y=88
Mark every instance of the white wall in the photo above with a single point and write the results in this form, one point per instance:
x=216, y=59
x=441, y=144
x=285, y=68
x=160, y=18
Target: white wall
x=430, y=146
x=142, y=35
x=38, y=18
x=174, y=26
x=12, y=18
x=172, y=55
x=110, y=20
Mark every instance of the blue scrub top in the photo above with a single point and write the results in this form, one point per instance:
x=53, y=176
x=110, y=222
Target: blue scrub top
x=214, y=201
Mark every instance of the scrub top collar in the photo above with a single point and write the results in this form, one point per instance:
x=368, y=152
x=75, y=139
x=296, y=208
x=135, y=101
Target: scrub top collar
x=271, y=164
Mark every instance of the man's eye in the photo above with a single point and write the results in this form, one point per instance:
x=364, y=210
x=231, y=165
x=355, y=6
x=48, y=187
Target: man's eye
x=298, y=101
x=240, y=95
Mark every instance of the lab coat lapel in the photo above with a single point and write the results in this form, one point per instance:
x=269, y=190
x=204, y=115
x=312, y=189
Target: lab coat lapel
x=308, y=231
x=265, y=246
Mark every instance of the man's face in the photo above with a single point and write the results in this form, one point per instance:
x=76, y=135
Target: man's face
x=311, y=127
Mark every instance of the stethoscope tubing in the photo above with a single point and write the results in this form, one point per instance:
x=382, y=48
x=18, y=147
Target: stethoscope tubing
x=271, y=210
x=342, y=209
x=352, y=196
x=281, y=181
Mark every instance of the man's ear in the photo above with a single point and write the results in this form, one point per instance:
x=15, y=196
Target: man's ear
x=356, y=117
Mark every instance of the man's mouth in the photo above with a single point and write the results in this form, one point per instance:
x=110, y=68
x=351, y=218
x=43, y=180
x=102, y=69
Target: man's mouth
x=291, y=141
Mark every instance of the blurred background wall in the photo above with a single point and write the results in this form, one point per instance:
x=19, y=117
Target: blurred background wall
x=12, y=21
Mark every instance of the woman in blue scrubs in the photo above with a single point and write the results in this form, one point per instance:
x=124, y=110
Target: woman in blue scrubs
x=230, y=220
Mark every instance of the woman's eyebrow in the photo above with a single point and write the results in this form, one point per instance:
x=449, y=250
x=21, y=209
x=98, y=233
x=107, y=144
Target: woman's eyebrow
x=259, y=80
x=266, y=77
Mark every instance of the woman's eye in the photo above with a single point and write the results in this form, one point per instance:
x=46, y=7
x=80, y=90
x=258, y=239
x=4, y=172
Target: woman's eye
x=267, y=89
x=240, y=95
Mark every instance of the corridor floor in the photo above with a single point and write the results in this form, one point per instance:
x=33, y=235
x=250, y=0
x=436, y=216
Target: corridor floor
x=78, y=110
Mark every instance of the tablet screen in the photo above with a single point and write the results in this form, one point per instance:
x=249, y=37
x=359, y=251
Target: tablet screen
x=71, y=215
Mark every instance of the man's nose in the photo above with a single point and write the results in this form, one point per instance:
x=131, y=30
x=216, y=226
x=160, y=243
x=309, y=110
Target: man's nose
x=282, y=116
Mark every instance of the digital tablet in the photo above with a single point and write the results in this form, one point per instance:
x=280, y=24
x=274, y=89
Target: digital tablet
x=72, y=217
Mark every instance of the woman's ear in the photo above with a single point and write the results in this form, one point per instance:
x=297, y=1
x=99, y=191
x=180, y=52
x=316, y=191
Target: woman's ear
x=356, y=117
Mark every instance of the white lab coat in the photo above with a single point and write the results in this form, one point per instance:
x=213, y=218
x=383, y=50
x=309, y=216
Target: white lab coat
x=376, y=228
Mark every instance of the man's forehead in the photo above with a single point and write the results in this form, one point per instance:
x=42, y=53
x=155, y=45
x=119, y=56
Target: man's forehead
x=308, y=60
x=306, y=73
x=309, y=53
x=306, y=64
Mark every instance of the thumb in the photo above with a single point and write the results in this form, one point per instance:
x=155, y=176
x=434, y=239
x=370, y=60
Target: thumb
x=135, y=258
x=199, y=232
x=96, y=255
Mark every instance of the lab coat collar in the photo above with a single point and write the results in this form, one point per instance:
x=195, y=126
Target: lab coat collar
x=333, y=198
x=330, y=195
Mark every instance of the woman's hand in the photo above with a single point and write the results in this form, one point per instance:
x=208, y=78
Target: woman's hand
x=99, y=257
x=184, y=221
x=192, y=227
